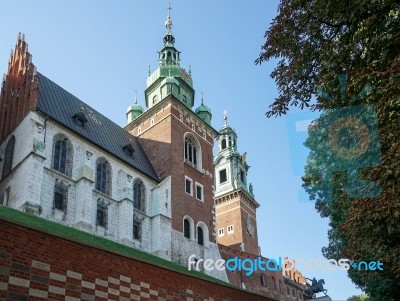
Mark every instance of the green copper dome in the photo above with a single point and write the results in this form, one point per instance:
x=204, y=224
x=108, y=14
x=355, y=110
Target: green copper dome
x=204, y=112
x=203, y=108
x=134, y=111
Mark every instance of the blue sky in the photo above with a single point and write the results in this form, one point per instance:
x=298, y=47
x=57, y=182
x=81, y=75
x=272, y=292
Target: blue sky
x=99, y=51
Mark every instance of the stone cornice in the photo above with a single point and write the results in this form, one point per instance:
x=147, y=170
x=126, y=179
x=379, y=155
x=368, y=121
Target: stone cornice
x=238, y=193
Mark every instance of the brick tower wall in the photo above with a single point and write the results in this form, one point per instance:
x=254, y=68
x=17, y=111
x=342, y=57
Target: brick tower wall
x=19, y=89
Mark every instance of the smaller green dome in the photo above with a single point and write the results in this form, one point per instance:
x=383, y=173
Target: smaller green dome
x=203, y=108
x=135, y=107
x=204, y=112
x=134, y=111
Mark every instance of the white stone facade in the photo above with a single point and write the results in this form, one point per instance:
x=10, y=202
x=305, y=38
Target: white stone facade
x=30, y=187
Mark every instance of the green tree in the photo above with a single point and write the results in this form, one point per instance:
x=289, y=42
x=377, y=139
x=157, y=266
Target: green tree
x=315, y=41
x=358, y=298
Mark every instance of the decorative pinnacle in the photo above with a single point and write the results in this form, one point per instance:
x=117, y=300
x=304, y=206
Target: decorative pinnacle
x=135, y=96
x=225, y=117
x=202, y=97
x=168, y=22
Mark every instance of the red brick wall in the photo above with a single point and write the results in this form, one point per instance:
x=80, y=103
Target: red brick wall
x=40, y=266
x=183, y=203
x=164, y=144
x=19, y=92
x=232, y=209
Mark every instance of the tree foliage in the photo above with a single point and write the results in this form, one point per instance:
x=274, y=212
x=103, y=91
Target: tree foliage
x=358, y=298
x=315, y=41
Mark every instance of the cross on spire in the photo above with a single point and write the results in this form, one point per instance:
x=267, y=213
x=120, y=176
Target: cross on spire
x=169, y=9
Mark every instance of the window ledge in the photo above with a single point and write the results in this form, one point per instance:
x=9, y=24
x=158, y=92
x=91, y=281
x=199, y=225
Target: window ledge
x=195, y=167
x=102, y=194
x=60, y=174
x=139, y=211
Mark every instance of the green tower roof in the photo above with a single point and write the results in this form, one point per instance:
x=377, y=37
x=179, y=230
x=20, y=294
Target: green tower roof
x=136, y=108
x=203, y=108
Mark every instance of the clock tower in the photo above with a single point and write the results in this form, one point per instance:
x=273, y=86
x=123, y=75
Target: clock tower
x=235, y=205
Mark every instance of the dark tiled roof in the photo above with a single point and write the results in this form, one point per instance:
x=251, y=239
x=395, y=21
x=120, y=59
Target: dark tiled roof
x=62, y=106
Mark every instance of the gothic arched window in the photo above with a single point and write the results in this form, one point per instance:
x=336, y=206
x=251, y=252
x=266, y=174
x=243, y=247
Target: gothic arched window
x=200, y=236
x=103, y=176
x=192, y=151
x=223, y=143
x=186, y=228
x=9, y=156
x=62, y=154
x=139, y=195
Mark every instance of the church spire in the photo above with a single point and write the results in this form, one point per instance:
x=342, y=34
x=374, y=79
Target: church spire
x=169, y=78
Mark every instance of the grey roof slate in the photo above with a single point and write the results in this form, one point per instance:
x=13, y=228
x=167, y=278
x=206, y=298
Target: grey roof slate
x=62, y=106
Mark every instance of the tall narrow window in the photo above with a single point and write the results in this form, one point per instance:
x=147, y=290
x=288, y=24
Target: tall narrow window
x=199, y=192
x=222, y=176
x=62, y=154
x=200, y=236
x=103, y=176
x=60, y=201
x=223, y=143
x=9, y=156
x=188, y=185
x=186, y=228
x=242, y=177
x=262, y=280
x=137, y=229
x=191, y=151
x=102, y=213
x=139, y=195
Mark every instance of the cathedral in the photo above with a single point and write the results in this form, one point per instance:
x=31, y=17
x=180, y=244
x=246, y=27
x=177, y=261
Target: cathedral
x=153, y=185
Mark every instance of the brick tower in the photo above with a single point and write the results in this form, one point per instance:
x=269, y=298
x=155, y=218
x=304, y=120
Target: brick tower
x=234, y=201
x=19, y=89
x=179, y=142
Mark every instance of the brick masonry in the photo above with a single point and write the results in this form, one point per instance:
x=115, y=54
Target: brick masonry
x=33, y=268
x=19, y=89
